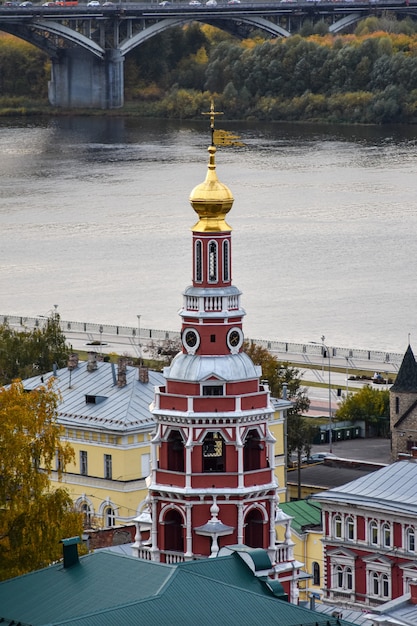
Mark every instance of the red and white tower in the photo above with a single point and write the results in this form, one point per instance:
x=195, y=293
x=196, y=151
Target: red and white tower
x=212, y=481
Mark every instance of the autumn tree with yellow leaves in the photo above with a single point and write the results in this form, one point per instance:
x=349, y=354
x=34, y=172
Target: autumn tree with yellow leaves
x=33, y=516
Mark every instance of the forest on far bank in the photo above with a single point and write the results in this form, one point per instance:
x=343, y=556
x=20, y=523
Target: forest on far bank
x=367, y=77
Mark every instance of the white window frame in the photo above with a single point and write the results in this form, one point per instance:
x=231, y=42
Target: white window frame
x=350, y=528
x=338, y=526
x=198, y=261
x=410, y=539
x=109, y=515
x=374, y=534
x=386, y=535
x=342, y=577
x=226, y=260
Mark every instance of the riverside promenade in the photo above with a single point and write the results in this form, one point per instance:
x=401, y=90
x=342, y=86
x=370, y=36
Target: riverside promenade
x=147, y=342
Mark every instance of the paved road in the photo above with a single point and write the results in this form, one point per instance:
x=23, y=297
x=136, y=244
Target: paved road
x=371, y=450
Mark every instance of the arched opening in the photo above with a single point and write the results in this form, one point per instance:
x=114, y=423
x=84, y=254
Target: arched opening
x=85, y=509
x=254, y=529
x=213, y=453
x=173, y=532
x=316, y=573
x=252, y=451
x=175, y=457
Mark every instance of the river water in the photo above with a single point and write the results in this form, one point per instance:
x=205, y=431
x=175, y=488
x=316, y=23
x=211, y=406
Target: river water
x=95, y=217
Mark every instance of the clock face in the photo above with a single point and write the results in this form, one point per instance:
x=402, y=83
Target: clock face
x=234, y=339
x=191, y=340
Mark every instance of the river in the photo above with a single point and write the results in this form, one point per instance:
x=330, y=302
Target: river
x=95, y=217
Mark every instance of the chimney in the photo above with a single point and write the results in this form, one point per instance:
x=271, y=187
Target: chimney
x=143, y=374
x=73, y=361
x=413, y=590
x=70, y=551
x=414, y=452
x=92, y=362
x=121, y=372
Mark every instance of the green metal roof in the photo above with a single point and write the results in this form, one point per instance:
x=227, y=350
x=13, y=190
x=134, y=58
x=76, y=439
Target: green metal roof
x=305, y=514
x=108, y=589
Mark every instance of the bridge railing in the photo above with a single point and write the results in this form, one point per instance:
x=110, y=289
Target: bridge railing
x=306, y=350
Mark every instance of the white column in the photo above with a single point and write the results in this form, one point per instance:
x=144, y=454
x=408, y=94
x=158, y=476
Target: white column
x=240, y=523
x=188, y=532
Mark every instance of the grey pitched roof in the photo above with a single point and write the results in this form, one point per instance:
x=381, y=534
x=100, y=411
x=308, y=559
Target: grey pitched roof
x=406, y=380
x=328, y=475
x=106, y=589
x=392, y=488
x=119, y=409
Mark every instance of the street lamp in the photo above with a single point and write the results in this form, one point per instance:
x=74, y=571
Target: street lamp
x=347, y=376
x=139, y=350
x=326, y=352
x=325, y=348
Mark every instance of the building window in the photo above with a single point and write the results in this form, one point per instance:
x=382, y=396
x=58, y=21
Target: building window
x=410, y=540
x=212, y=262
x=213, y=390
x=338, y=527
x=107, y=466
x=350, y=529
x=58, y=462
x=198, y=262
x=109, y=517
x=386, y=535
x=145, y=465
x=379, y=585
x=373, y=533
x=397, y=404
x=316, y=574
x=226, y=262
x=83, y=463
x=385, y=586
x=343, y=578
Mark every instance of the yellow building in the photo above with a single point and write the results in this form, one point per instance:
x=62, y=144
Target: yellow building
x=307, y=534
x=105, y=414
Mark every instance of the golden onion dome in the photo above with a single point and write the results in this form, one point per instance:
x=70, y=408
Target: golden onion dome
x=211, y=200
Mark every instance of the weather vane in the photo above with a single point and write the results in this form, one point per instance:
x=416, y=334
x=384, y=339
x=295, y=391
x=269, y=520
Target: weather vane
x=221, y=137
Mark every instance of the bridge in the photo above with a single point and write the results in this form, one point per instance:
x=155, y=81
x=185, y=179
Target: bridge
x=87, y=45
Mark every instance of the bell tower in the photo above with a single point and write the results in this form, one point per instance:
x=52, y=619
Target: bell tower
x=212, y=482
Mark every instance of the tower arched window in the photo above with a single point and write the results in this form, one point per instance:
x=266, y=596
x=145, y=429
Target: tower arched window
x=252, y=451
x=175, y=456
x=254, y=525
x=198, y=261
x=173, y=531
x=226, y=261
x=212, y=262
x=213, y=453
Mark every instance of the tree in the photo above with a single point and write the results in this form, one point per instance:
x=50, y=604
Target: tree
x=24, y=354
x=33, y=517
x=300, y=433
x=368, y=405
